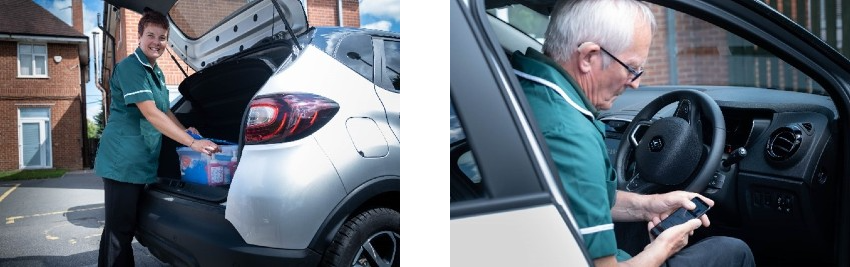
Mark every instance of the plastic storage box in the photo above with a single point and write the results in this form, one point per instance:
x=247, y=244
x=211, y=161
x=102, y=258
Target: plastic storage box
x=216, y=169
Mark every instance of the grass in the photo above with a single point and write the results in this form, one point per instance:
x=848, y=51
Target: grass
x=31, y=174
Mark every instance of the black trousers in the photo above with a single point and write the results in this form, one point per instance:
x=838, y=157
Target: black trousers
x=121, y=201
x=714, y=251
x=711, y=251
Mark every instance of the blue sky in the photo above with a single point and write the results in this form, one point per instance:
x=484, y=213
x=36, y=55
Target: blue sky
x=380, y=14
x=374, y=14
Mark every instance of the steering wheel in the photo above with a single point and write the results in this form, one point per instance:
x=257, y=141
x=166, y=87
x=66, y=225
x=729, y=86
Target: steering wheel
x=670, y=153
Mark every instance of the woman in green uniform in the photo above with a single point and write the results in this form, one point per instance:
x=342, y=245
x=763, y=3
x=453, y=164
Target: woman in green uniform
x=127, y=157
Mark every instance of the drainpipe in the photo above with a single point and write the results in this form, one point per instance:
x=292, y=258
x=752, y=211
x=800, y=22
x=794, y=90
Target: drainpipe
x=84, y=119
x=97, y=79
x=339, y=7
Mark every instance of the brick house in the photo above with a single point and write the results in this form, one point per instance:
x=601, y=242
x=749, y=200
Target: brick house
x=43, y=71
x=121, y=27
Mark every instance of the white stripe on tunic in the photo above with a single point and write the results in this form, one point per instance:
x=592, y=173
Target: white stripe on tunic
x=557, y=89
x=596, y=229
x=142, y=91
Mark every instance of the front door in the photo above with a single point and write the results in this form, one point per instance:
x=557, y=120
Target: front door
x=34, y=138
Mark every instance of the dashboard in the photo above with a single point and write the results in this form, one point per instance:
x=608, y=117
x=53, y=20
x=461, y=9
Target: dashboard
x=787, y=181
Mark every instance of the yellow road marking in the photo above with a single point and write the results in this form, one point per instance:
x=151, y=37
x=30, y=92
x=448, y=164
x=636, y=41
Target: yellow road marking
x=94, y=235
x=47, y=234
x=11, y=220
x=8, y=192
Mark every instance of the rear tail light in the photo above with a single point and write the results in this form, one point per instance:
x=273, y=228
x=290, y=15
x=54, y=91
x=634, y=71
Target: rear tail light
x=281, y=118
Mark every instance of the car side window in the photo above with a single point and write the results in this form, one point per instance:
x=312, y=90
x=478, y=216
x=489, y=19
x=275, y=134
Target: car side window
x=355, y=51
x=697, y=52
x=392, y=66
x=466, y=182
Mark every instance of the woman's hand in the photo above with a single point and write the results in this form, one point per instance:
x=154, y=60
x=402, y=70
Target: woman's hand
x=205, y=146
x=193, y=130
x=661, y=206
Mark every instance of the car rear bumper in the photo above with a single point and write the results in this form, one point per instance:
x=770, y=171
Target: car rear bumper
x=190, y=233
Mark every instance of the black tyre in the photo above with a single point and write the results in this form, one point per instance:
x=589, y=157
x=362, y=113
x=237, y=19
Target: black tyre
x=369, y=239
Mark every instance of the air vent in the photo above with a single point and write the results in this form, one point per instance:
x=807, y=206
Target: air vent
x=784, y=142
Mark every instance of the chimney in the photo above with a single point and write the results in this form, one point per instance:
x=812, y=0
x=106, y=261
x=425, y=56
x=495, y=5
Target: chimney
x=77, y=15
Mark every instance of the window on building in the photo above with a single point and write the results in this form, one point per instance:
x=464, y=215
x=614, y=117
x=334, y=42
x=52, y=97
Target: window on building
x=32, y=60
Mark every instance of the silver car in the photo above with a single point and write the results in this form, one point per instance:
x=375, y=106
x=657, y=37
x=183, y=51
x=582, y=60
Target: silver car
x=315, y=114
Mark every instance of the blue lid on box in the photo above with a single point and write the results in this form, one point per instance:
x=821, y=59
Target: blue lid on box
x=213, y=170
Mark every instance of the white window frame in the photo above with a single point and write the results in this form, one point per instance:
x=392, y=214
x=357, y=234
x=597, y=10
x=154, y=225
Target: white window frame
x=46, y=65
x=44, y=134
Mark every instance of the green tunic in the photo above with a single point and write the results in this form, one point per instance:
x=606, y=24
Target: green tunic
x=129, y=146
x=576, y=141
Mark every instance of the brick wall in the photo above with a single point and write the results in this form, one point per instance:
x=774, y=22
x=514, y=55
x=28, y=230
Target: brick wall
x=172, y=73
x=64, y=76
x=60, y=92
x=657, y=69
x=701, y=52
x=9, y=132
x=67, y=141
x=325, y=13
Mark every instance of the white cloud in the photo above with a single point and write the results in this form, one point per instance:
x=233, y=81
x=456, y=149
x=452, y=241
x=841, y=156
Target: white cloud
x=61, y=9
x=381, y=8
x=379, y=25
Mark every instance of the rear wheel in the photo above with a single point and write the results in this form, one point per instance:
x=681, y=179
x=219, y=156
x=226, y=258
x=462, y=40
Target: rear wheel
x=369, y=239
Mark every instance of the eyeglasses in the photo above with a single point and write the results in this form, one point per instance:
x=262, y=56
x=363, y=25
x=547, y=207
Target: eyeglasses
x=637, y=73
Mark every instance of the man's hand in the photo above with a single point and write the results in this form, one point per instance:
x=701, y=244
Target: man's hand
x=661, y=206
x=673, y=239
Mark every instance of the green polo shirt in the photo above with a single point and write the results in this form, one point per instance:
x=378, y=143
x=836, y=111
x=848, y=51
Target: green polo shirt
x=576, y=142
x=129, y=147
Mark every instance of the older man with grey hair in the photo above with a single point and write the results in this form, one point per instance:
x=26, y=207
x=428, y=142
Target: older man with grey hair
x=595, y=50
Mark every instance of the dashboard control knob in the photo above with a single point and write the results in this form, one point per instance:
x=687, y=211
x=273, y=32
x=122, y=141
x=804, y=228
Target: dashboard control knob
x=735, y=157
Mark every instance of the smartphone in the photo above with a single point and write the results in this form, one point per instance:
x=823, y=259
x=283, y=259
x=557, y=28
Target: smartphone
x=681, y=216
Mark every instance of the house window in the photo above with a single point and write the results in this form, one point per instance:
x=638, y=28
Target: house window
x=34, y=142
x=32, y=60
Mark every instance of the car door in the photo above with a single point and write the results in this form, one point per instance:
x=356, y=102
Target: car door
x=506, y=206
x=768, y=29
